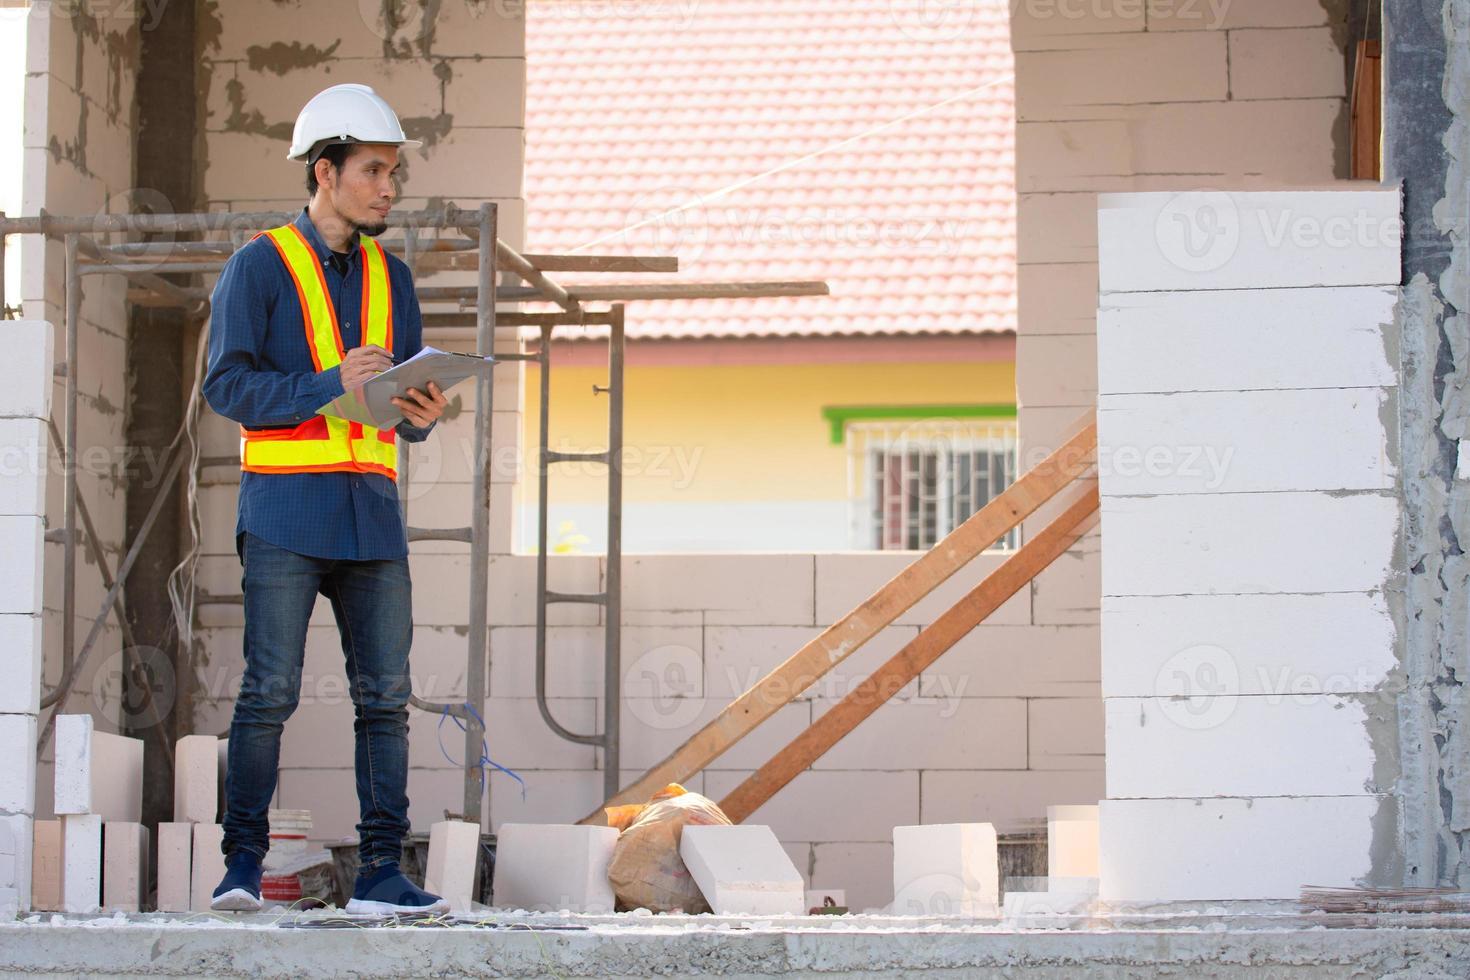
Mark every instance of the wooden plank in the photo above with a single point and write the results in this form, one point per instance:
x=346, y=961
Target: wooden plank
x=1365, y=113
x=1012, y=576
x=842, y=638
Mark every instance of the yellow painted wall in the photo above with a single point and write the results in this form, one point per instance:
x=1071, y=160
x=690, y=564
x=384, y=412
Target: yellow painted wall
x=735, y=432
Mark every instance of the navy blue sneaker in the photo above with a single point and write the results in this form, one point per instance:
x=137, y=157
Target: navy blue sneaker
x=386, y=892
x=240, y=889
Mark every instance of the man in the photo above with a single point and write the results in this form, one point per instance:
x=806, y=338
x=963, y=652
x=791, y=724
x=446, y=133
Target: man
x=301, y=314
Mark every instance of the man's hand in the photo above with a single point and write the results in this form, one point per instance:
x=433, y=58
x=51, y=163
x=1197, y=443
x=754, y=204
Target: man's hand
x=422, y=409
x=361, y=363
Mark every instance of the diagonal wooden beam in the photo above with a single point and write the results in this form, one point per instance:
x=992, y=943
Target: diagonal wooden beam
x=920, y=652
x=841, y=639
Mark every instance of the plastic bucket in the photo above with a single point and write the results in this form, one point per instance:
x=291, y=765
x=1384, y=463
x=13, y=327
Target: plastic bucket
x=289, y=830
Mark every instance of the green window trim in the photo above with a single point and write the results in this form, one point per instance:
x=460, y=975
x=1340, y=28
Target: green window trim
x=838, y=416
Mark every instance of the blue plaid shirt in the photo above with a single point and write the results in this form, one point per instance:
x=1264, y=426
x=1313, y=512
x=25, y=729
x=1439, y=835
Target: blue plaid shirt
x=261, y=375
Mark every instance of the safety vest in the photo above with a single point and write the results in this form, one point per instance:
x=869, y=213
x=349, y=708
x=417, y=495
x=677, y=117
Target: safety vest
x=323, y=444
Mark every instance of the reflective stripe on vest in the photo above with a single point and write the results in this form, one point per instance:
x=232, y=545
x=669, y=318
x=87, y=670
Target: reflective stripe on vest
x=323, y=444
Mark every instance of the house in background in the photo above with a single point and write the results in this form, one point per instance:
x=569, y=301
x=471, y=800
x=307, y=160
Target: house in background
x=815, y=139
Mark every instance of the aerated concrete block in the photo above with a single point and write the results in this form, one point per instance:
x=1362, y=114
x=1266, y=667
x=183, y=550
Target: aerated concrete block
x=946, y=869
x=46, y=867
x=175, y=866
x=554, y=866
x=96, y=772
x=207, y=865
x=18, y=763
x=81, y=862
x=1071, y=841
x=15, y=862
x=124, y=866
x=20, y=661
x=742, y=870
x=196, y=779
x=454, y=847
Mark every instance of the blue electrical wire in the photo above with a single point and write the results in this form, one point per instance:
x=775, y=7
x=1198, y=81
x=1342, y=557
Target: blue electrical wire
x=485, y=759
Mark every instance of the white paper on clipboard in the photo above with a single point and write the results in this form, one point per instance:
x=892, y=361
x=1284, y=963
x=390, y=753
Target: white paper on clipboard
x=371, y=403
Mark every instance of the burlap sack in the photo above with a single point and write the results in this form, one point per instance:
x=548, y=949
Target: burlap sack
x=646, y=870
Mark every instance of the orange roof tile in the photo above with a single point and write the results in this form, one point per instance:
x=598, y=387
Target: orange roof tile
x=869, y=143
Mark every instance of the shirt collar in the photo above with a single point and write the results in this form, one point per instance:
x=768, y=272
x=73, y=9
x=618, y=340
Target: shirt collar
x=307, y=227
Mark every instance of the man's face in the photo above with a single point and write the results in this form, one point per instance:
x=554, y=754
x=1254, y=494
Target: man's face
x=363, y=192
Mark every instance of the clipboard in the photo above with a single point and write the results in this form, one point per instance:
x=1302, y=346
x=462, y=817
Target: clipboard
x=371, y=402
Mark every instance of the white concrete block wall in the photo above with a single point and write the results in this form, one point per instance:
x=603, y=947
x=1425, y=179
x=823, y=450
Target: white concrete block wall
x=1246, y=638
x=1122, y=97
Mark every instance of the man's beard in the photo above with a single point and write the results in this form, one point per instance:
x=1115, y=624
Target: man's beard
x=372, y=230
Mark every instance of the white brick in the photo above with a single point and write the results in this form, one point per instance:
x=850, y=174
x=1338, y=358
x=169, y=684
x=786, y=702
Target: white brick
x=1071, y=841
x=742, y=870
x=124, y=866
x=946, y=869
x=18, y=764
x=97, y=772
x=81, y=862
x=1064, y=733
x=1246, y=644
x=1225, y=745
x=20, y=575
x=20, y=661
x=799, y=812
x=1286, y=64
x=1247, y=542
x=770, y=590
x=845, y=580
x=737, y=657
x=46, y=867
x=1104, y=69
x=25, y=379
x=1011, y=801
x=454, y=853
x=207, y=865
x=196, y=779
x=933, y=733
x=1249, y=239
x=1213, y=341
x=1018, y=661
x=175, y=861
x=23, y=460
x=1236, y=442
x=1178, y=15
x=1213, y=850
x=554, y=867
x=16, y=837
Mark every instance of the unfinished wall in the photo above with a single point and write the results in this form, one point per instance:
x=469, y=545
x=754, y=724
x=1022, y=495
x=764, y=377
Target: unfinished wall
x=78, y=157
x=1250, y=669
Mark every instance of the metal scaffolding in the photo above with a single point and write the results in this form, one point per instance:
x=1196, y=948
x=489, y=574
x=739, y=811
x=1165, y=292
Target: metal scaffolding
x=472, y=244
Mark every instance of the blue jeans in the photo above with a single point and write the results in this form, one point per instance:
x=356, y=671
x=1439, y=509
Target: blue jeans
x=372, y=603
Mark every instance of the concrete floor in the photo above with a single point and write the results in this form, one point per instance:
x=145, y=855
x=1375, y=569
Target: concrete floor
x=1194, y=943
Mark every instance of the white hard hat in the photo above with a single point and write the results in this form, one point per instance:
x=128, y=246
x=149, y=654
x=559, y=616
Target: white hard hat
x=347, y=113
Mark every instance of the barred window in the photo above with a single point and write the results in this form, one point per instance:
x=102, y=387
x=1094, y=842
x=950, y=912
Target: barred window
x=912, y=482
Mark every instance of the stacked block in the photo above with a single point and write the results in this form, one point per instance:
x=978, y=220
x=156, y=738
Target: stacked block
x=99, y=781
x=946, y=869
x=25, y=404
x=742, y=870
x=454, y=853
x=1247, y=402
x=553, y=867
x=46, y=866
x=175, y=866
x=207, y=864
x=124, y=866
